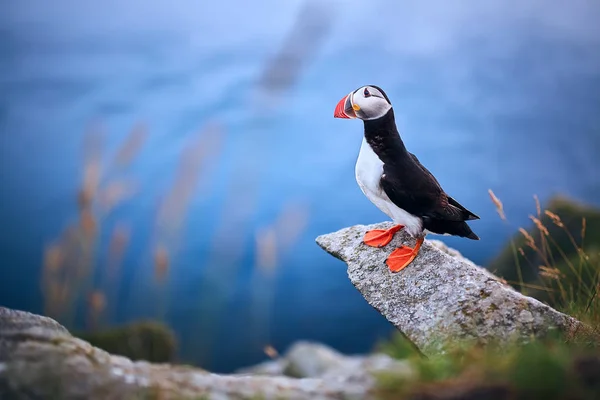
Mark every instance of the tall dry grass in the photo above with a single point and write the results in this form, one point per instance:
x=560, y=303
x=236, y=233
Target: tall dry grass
x=75, y=283
x=562, y=268
x=83, y=269
x=82, y=275
x=70, y=266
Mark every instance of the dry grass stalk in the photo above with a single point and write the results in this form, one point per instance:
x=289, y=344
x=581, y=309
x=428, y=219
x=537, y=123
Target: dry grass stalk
x=161, y=264
x=498, y=204
x=53, y=258
x=529, y=240
x=539, y=225
x=97, y=301
x=266, y=249
x=96, y=307
x=550, y=272
x=555, y=218
x=111, y=281
x=270, y=351
x=194, y=157
x=131, y=146
x=169, y=219
x=115, y=193
x=116, y=248
x=70, y=265
x=522, y=285
x=583, y=228
x=91, y=182
x=87, y=223
x=290, y=224
x=85, y=197
x=308, y=33
x=92, y=169
x=280, y=235
x=538, y=208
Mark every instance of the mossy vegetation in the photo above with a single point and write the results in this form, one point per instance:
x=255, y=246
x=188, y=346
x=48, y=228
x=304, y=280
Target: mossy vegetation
x=541, y=369
x=557, y=261
x=145, y=340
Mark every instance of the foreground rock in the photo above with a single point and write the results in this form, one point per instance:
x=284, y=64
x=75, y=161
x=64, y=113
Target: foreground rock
x=39, y=359
x=315, y=360
x=441, y=297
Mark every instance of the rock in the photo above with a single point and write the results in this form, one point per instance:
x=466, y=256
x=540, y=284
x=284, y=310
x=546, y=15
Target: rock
x=315, y=360
x=39, y=359
x=362, y=369
x=442, y=297
x=308, y=360
x=267, y=368
x=16, y=326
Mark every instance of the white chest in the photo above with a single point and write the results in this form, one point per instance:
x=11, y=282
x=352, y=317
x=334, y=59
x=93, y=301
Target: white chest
x=369, y=169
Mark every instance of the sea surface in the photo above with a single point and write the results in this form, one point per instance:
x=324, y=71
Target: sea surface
x=498, y=95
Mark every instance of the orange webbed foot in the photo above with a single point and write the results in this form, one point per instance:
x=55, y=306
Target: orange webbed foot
x=403, y=256
x=380, y=237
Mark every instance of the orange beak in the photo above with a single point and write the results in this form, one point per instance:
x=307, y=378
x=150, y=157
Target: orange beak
x=344, y=108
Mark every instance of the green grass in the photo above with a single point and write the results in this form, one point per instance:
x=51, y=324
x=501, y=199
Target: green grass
x=549, y=369
x=557, y=261
x=146, y=340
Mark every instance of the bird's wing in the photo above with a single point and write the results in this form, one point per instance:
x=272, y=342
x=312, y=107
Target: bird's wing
x=454, y=203
x=420, y=194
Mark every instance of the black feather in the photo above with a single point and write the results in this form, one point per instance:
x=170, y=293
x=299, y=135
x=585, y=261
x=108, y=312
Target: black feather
x=411, y=186
x=454, y=228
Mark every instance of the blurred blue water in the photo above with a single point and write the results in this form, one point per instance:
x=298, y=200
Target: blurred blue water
x=501, y=95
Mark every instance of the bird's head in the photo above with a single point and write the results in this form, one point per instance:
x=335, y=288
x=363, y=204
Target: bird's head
x=366, y=103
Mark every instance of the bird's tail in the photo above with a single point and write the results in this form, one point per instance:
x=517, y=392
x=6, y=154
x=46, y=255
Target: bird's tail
x=470, y=216
x=464, y=230
x=455, y=228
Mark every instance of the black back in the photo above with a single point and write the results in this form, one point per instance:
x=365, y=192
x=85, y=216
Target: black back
x=410, y=185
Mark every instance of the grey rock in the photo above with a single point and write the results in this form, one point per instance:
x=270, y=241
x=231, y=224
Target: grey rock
x=267, y=368
x=362, y=369
x=442, y=298
x=308, y=360
x=314, y=360
x=39, y=359
x=18, y=326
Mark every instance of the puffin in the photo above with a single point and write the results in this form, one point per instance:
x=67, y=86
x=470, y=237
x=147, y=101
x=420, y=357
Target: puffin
x=394, y=180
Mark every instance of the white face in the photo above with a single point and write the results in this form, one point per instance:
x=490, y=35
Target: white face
x=369, y=103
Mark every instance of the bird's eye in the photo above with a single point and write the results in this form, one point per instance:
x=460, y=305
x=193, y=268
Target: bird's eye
x=367, y=93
